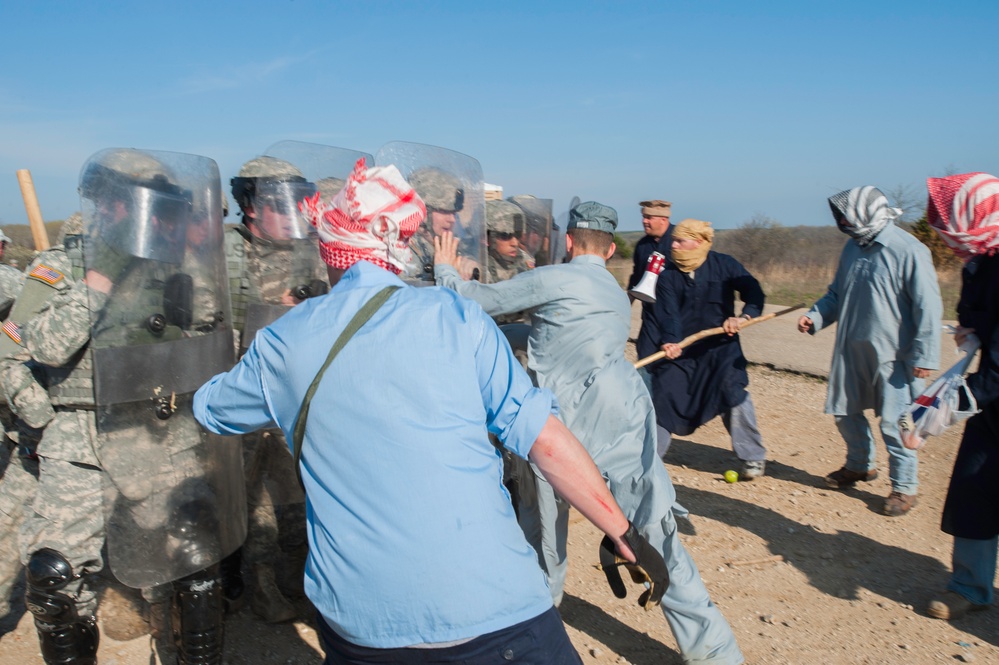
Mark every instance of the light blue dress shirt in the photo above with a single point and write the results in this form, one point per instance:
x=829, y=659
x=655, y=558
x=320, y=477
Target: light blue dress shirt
x=412, y=536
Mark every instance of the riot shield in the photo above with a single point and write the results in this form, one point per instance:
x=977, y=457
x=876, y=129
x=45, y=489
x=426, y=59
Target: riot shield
x=316, y=161
x=295, y=257
x=558, y=233
x=536, y=237
x=452, y=187
x=160, y=327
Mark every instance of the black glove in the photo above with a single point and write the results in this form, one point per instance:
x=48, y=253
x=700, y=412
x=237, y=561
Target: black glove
x=649, y=567
x=107, y=260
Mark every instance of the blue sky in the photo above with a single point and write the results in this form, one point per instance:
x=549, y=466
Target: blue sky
x=728, y=109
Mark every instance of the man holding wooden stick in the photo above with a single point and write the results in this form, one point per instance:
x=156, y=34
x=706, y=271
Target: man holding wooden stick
x=697, y=291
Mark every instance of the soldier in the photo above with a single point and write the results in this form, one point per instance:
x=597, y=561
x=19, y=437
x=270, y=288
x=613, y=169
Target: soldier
x=444, y=196
x=16, y=479
x=120, y=346
x=273, y=264
x=535, y=239
x=504, y=227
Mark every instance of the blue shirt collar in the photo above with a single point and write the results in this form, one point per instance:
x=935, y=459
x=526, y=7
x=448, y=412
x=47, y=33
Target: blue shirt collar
x=590, y=258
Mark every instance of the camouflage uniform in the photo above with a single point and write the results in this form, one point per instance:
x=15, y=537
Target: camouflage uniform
x=505, y=217
x=259, y=272
x=16, y=477
x=265, y=271
x=500, y=268
x=78, y=470
x=67, y=514
x=11, y=280
x=441, y=192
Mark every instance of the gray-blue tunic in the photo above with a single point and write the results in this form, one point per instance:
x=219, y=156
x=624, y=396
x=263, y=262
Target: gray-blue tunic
x=886, y=300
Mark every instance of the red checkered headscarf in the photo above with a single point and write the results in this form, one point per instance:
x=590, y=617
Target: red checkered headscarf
x=371, y=219
x=964, y=209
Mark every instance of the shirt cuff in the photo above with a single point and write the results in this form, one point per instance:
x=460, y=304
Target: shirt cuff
x=525, y=428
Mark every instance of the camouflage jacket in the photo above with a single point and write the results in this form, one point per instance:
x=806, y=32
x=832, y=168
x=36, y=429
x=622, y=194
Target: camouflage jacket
x=499, y=268
x=261, y=271
x=11, y=281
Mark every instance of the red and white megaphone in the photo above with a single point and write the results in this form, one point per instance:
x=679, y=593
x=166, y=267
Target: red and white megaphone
x=645, y=290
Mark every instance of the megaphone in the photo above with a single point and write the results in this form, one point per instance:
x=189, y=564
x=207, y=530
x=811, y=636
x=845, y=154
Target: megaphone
x=645, y=290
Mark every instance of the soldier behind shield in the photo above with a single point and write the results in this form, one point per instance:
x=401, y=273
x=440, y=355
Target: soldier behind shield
x=274, y=263
x=505, y=223
x=536, y=237
x=444, y=196
x=116, y=336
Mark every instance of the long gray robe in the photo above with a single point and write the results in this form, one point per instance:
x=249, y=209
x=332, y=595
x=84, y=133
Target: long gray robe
x=580, y=321
x=886, y=300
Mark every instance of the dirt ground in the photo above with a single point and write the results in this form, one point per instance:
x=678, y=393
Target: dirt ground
x=804, y=574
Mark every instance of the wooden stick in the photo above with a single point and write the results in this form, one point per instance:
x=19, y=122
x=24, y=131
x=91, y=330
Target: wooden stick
x=38, y=233
x=710, y=332
x=776, y=558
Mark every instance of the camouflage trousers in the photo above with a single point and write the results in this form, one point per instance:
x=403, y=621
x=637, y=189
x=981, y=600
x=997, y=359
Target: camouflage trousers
x=275, y=500
x=17, y=488
x=67, y=514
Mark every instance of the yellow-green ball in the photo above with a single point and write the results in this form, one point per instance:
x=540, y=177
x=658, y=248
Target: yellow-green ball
x=731, y=476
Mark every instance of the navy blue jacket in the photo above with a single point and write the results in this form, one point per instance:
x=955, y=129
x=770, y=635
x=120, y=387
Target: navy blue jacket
x=649, y=333
x=710, y=377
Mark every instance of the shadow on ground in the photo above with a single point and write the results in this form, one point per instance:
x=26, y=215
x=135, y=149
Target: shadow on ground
x=856, y=562
x=634, y=646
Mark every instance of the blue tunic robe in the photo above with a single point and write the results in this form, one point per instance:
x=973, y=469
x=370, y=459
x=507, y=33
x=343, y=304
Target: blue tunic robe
x=710, y=377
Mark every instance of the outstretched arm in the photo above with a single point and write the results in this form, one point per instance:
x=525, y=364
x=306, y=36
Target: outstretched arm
x=566, y=465
x=522, y=292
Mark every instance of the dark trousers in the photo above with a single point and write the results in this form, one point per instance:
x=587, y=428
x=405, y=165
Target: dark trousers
x=538, y=641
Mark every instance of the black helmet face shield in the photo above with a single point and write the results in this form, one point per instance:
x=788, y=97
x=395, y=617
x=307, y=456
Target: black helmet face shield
x=276, y=211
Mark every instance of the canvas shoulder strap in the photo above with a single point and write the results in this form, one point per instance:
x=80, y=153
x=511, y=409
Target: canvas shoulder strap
x=355, y=324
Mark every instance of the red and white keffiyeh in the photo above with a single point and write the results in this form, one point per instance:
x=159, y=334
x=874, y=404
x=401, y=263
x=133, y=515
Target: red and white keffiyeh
x=371, y=219
x=964, y=209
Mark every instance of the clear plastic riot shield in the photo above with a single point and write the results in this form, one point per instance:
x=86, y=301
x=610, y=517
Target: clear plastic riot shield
x=558, y=233
x=318, y=162
x=452, y=187
x=536, y=238
x=293, y=260
x=160, y=328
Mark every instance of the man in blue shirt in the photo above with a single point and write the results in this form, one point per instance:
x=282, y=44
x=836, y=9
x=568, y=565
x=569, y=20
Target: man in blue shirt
x=404, y=490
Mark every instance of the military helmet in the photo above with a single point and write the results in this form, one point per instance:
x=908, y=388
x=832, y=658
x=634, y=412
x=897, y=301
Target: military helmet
x=262, y=168
x=71, y=226
x=126, y=167
x=439, y=190
x=504, y=217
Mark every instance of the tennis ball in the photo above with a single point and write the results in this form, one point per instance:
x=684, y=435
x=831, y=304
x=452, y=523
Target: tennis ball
x=731, y=476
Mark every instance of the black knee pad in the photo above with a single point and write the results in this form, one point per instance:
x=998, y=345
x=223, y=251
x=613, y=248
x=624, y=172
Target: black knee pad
x=48, y=573
x=64, y=636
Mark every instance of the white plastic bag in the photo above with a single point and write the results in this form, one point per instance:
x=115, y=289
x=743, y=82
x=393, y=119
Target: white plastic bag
x=947, y=401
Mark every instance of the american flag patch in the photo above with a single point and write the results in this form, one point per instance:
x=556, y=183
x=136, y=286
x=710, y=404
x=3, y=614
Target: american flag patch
x=12, y=330
x=46, y=274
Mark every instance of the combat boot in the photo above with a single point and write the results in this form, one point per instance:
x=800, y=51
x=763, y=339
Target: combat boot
x=291, y=575
x=268, y=602
x=231, y=569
